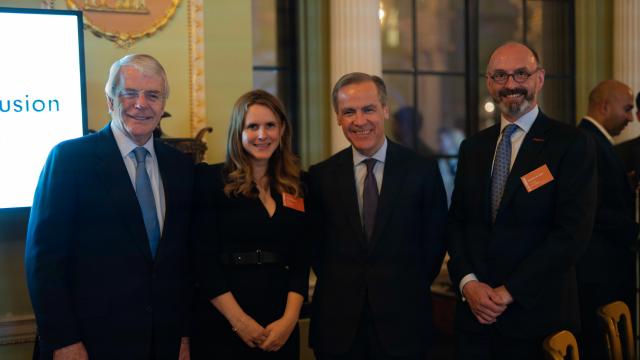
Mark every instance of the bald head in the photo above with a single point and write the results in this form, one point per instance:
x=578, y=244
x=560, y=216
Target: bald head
x=514, y=79
x=509, y=49
x=611, y=105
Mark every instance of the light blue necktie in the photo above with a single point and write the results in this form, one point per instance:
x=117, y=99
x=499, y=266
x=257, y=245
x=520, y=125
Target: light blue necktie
x=501, y=168
x=144, y=193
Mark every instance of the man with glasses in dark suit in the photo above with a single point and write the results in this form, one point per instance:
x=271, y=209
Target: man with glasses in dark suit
x=522, y=212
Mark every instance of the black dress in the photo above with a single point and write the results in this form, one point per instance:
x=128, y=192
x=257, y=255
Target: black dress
x=230, y=225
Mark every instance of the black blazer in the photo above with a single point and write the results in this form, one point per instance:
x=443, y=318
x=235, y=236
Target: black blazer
x=629, y=152
x=393, y=273
x=89, y=268
x=537, y=237
x=609, y=257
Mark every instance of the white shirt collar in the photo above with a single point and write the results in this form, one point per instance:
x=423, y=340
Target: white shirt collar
x=379, y=155
x=599, y=127
x=126, y=145
x=524, y=122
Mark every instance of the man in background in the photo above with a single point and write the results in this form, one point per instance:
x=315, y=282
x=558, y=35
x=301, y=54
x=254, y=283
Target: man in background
x=521, y=213
x=629, y=151
x=106, y=255
x=378, y=212
x=606, y=269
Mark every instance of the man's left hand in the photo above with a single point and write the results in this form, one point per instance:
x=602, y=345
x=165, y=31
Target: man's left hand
x=503, y=296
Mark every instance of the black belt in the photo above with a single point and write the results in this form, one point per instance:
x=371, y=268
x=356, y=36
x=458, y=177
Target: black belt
x=257, y=257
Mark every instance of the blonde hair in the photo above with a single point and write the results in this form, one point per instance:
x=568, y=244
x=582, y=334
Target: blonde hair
x=283, y=170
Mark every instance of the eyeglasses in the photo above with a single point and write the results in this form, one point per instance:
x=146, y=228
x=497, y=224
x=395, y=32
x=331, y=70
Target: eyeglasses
x=150, y=95
x=519, y=76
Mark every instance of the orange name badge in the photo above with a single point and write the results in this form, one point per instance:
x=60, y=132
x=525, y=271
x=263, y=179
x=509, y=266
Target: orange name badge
x=537, y=178
x=293, y=202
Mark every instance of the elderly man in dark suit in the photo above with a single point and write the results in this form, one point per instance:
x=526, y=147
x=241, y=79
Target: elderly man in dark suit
x=606, y=270
x=521, y=214
x=106, y=256
x=378, y=211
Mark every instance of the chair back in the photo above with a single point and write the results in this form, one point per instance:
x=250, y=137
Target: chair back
x=616, y=322
x=561, y=345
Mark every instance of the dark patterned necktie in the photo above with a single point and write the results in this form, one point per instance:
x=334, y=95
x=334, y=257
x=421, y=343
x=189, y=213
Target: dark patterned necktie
x=501, y=168
x=369, y=198
x=147, y=202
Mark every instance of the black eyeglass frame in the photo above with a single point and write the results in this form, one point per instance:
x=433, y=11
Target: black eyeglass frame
x=519, y=76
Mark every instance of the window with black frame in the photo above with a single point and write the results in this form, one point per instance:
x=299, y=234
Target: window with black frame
x=434, y=55
x=275, y=53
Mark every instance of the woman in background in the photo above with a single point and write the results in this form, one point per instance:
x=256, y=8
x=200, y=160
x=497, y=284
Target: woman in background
x=252, y=261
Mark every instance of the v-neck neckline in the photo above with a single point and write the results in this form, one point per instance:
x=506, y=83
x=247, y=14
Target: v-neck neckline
x=265, y=210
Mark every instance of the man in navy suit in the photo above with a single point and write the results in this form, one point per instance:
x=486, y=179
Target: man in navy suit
x=379, y=212
x=606, y=270
x=106, y=255
x=521, y=214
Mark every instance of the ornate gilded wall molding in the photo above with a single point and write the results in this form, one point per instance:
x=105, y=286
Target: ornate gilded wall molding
x=124, y=21
x=197, y=66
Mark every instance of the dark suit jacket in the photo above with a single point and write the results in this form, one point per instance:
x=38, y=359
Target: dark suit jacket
x=392, y=273
x=609, y=257
x=89, y=268
x=629, y=152
x=537, y=237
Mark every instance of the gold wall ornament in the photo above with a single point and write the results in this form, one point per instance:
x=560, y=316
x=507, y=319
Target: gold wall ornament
x=124, y=21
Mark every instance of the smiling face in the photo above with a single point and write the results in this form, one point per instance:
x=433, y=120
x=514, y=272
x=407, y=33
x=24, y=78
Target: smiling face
x=138, y=104
x=514, y=99
x=261, y=133
x=361, y=116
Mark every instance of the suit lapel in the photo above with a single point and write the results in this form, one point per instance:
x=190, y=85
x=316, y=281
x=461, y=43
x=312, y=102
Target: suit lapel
x=120, y=190
x=169, y=183
x=392, y=180
x=346, y=187
x=485, y=154
x=525, y=161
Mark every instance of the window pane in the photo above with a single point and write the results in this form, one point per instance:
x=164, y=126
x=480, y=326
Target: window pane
x=265, y=29
x=441, y=35
x=442, y=106
x=441, y=101
x=556, y=100
x=548, y=33
x=266, y=80
x=399, y=90
x=500, y=21
x=397, y=34
x=488, y=112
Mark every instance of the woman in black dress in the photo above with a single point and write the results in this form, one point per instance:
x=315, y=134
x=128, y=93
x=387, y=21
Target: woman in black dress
x=252, y=260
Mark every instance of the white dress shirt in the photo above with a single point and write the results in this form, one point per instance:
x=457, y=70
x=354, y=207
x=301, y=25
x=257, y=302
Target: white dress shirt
x=360, y=170
x=599, y=127
x=524, y=124
x=126, y=147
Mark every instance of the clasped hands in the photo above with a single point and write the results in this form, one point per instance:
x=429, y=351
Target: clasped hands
x=269, y=338
x=485, y=302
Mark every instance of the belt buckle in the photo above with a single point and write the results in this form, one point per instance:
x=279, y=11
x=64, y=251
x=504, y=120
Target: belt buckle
x=259, y=254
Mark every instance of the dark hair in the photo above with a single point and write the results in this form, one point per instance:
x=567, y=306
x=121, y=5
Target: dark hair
x=357, y=78
x=284, y=170
x=638, y=102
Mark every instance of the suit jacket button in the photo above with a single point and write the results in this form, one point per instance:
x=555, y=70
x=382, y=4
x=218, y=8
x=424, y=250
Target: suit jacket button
x=149, y=309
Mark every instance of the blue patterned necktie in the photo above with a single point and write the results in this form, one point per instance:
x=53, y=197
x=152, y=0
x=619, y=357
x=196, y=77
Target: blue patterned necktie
x=501, y=168
x=369, y=198
x=144, y=193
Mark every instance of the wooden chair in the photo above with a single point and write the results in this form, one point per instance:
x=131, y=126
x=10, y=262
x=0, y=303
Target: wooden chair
x=560, y=346
x=616, y=321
